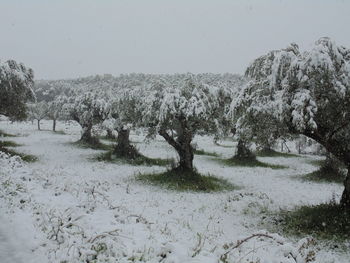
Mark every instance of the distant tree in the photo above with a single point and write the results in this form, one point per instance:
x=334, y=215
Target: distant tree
x=178, y=110
x=55, y=109
x=38, y=111
x=16, y=82
x=302, y=93
x=88, y=109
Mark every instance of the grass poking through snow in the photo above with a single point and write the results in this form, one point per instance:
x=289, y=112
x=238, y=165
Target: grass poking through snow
x=273, y=153
x=95, y=146
x=140, y=160
x=250, y=163
x=325, y=221
x=202, y=152
x=25, y=157
x=186, y=181
x=4, y=134
x=8, y=144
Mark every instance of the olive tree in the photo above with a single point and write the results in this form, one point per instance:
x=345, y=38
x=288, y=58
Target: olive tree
x=301, y=93
x=38, y=111
x=55, y=109
x=88, y=109
x=16, y=83
x=177, y=110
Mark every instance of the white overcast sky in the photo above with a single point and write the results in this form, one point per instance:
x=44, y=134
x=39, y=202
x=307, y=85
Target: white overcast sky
x=75, y=38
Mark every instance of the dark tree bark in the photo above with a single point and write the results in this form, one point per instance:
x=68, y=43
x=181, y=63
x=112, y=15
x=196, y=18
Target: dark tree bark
x=123, y=147
x=345, y=198
x=182, y=145
x=38, y=121
x=54, y=125
x=87, y=137
x=243, y=152
x=339, y=149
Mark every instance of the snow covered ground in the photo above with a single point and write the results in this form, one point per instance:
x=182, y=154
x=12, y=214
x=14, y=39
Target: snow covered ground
x=67, y=208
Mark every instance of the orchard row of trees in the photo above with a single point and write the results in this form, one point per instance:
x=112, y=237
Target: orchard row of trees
x=285, y=92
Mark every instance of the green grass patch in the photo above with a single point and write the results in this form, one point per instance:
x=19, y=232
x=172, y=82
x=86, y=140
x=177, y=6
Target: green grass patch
x=95, y=146
x=8, y=144
x=186, y=181
x=59, y=132
x=250, y=163
x=324, y=176
x=325, y=221
x=140, y=160
x=202, y=152
x=318, y=162
x=4, y=134
x=273, y=153
x=106, y=138
x=25, y=157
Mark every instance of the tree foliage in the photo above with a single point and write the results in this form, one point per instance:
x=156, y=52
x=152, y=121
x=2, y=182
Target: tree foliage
x=16, y=82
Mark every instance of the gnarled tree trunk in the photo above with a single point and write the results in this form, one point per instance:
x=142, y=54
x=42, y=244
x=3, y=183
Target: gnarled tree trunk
x=182, y=146
x=38, y=124
x=87, y=135
x=345, y=199
x=54, y=125
x=124, y=148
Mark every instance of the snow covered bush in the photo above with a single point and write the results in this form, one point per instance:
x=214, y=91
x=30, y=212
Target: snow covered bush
x=16, y=82
x=88, y=109
x=301, y=93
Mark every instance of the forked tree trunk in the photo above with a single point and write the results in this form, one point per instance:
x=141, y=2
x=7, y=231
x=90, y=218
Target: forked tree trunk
x=38, y=124
x=54, y=125
x=182, y=146
x=345, y=199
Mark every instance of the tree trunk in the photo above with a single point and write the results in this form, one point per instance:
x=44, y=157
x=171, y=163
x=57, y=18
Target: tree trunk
x=345, y=199
x=38, y=124
x=124, y=148
x=182, y=145
x=110, y=134
x=87, y=136
x=54, y=125
x=186, y=156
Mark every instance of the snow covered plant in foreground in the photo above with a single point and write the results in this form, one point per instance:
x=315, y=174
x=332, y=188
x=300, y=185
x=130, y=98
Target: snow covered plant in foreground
x=16, y=83
x=88, y=109
x=301, y=93
x=179, y=109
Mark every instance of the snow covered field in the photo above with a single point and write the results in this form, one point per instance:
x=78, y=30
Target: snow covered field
x=68, y=208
